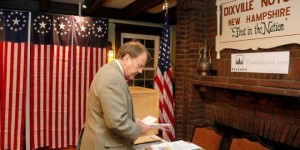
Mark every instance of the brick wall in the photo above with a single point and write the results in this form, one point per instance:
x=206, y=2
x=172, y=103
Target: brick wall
x=265, y=104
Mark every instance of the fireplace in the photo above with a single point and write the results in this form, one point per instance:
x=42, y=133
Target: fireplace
x=274, y=118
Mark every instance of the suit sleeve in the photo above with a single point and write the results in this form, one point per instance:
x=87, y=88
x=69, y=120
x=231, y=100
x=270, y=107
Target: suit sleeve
x=115, y=109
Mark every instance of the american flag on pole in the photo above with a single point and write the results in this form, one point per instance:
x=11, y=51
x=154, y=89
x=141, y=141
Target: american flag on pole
x=89, y=54
x=13, y=77
x=50, y=83
x=163, y=83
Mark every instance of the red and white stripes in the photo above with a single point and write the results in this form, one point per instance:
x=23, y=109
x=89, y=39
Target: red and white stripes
x=163, y=82
x=50, y=71
x=86, y=62
x=14, y=58
x=60, y=80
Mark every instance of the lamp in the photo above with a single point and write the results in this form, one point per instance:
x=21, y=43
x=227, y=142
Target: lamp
x=111, y=51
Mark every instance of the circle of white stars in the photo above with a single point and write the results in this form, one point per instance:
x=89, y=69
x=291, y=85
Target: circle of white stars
x=99, y=28
x=42, y=24
x=1, y=20
x=16, y=21
x=62, y=25
x=83, y=27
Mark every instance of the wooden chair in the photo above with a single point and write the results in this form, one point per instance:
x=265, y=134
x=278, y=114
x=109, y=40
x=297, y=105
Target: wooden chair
x=248, y=142
x=207, y=137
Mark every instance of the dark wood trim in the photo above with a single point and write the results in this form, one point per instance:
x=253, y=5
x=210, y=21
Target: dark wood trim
x=140, y=6
x=95, y=6
x=44, y=5
x=136, y=11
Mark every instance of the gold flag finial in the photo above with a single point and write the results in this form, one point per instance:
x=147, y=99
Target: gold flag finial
x=165, y=7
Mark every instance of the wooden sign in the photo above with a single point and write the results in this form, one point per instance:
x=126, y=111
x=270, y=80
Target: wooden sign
x=253, y=24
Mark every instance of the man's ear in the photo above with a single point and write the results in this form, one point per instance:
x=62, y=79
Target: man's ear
x=126, y=58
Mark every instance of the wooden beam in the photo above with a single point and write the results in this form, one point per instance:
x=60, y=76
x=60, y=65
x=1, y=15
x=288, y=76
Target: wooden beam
x=114, y=13
x=105, y=12
x=140, y=6
x=96, y=5
x=44, y=5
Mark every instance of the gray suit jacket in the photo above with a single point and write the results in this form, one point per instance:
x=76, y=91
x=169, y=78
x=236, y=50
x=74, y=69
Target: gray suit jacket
x=110, y=121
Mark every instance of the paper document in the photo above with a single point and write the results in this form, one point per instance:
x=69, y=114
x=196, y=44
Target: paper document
x=159, y=125
x=151, y=121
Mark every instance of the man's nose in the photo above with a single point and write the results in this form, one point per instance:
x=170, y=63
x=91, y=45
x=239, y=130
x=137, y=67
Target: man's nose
x=140, y=70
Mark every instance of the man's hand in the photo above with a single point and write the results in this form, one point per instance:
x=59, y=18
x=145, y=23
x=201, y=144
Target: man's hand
x=144, y=128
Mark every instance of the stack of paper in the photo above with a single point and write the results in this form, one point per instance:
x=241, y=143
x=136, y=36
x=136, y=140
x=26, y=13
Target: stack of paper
x=177, y=145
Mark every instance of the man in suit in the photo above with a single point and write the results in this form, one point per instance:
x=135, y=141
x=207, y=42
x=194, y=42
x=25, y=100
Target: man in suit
x=110, y=121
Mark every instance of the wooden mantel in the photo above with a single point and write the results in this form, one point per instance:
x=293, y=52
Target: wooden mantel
x=277, y=87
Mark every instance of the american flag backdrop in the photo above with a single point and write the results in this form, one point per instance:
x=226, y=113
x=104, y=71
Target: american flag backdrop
x=66, y=53
x=89, y=54
x=14, y=50
x=50, y=82
x=163, y=83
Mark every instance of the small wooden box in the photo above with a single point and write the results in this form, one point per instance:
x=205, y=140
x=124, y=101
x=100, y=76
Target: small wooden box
x=145, y=103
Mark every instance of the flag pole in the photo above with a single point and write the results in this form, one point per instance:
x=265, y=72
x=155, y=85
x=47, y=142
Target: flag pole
x=27, y=102
x=163, y=82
